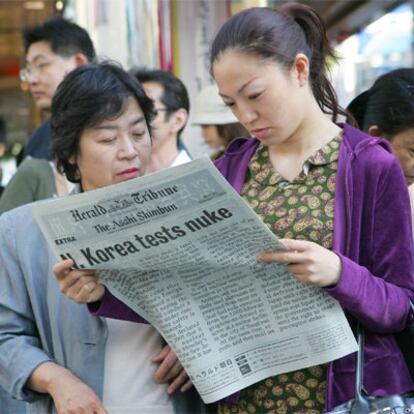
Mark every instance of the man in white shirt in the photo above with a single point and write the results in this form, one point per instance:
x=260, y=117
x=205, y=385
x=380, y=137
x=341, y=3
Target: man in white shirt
x=172, y=105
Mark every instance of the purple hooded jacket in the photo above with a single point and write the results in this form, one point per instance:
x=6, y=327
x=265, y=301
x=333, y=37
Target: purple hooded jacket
x=373, y=238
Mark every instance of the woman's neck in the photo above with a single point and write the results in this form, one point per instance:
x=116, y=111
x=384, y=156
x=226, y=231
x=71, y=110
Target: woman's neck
x=312, y=134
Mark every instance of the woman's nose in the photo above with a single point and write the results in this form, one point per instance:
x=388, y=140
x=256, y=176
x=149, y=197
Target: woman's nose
x=246, y=115
x=128, y=148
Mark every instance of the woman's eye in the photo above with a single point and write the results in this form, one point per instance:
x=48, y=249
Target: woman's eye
x=229, y=104
x=254, y=96
x=138, y=134
x=107, y=140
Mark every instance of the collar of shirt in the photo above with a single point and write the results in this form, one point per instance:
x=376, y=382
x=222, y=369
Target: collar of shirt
x=262, y=171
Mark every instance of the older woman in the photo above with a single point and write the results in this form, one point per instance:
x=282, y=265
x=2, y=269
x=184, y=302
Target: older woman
x=53, y=353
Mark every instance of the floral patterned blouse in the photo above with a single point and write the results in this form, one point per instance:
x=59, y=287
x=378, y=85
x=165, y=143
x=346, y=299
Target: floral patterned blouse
x=299, y=209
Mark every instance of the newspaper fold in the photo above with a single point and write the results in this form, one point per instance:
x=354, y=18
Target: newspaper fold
x=179, y=247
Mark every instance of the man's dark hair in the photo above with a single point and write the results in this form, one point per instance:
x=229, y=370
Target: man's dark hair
x=87, y=96
x=65, y=38
x=174, y=96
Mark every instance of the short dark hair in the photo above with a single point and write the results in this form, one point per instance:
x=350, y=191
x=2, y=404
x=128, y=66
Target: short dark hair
x=87, y=96
x=174, y=96
x=279, y=35
x=389, y=103
x=64, y=37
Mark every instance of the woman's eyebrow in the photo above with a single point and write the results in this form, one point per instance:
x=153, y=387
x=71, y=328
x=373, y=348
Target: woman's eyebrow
x=138, y=120
x=241, y=88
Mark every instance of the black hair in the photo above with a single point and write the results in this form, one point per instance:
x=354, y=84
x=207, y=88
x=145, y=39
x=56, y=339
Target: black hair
x=389, y=103
x=174, y=96
x=279, y=35
x=64, y=37
x=87, y=96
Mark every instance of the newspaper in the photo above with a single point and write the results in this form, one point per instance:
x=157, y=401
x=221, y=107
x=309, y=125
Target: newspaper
x=179, y=247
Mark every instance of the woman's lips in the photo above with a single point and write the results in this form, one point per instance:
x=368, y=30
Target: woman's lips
x=260, y=132
x=129, y=173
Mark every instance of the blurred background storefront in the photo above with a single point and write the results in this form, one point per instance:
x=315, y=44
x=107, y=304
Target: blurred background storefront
x=381, y=46
x=370, y=36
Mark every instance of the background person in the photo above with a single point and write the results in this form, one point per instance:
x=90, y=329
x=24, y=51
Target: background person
x=64, y=358
x=172, y=107
x=387, y=110
x=52, y=49
x=218, y=124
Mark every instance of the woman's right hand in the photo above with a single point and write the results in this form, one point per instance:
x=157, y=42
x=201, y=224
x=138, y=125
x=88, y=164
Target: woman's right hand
x=79, y=285
x=70, y=395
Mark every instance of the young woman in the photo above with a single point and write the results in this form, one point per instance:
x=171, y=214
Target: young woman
x=335, y=196
x=54, y=353
x=218, y=124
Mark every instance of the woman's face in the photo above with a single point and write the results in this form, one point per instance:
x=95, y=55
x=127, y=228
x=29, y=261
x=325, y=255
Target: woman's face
x=114, y=150
x=403, y=146
x=211, y=136
x=268, y=101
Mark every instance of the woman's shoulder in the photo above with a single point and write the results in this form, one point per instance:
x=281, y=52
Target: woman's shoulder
x=368, y=149
x=371, y=160
x=18, y=228
x=21, y=215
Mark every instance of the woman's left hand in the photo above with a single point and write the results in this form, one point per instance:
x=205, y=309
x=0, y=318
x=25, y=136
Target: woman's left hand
x=310, y=263
x=79, y=285
x=170, y=369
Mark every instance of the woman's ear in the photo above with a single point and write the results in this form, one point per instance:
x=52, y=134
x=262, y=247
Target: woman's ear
x=374, y=131
x=301, y=68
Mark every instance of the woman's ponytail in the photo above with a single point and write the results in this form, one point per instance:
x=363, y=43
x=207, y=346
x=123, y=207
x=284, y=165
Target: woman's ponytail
x=314, y=29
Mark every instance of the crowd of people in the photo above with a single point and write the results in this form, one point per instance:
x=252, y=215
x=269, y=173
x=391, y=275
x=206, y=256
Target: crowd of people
x=283, y=143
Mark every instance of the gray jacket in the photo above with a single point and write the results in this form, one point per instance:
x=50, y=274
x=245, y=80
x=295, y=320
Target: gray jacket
x=38, y=323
